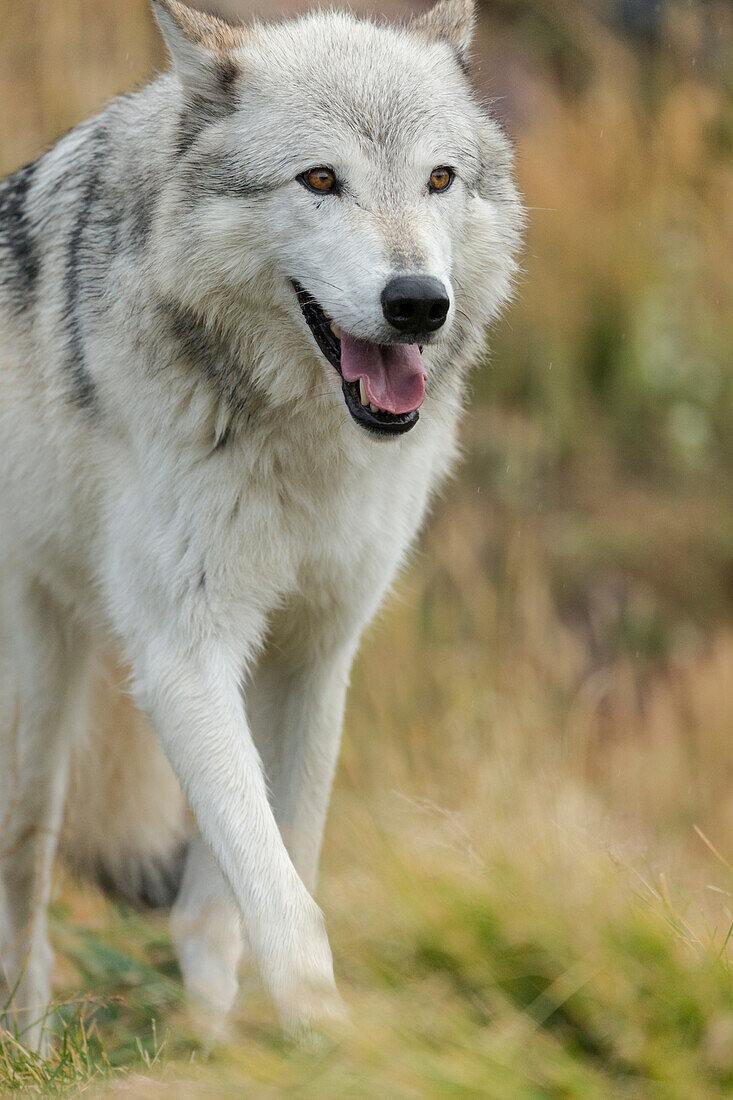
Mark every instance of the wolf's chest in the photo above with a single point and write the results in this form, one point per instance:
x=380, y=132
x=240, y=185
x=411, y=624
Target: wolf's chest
x=297, y=528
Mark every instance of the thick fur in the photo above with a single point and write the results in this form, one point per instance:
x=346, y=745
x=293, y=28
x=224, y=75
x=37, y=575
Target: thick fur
x=181, y=480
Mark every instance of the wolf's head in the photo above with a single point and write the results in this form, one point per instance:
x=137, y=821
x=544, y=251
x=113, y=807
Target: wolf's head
x=341, y=177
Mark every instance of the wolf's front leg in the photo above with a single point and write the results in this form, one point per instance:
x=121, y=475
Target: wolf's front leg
x=295, y=702
x=193, y=695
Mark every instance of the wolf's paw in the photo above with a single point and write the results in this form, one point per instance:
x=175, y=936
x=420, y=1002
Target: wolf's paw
x=209, y=945
x=312, y=1017
x=211, y=989
x=211, y=1026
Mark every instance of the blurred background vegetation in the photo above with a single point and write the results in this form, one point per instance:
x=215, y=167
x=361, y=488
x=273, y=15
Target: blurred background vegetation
x=528, y=865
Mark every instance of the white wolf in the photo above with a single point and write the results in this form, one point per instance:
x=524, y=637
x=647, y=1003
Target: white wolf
x=237, y=312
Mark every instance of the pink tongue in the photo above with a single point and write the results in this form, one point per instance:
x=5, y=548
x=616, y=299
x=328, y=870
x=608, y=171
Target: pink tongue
x=393, y=374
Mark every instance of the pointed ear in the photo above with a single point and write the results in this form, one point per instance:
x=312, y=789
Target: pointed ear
x=200, y=45
x=449, y=21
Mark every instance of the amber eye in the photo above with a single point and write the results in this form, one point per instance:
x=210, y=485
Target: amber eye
x=321, y=180
x=441, y=179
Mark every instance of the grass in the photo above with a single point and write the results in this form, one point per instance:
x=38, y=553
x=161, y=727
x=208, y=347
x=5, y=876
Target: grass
x=513, y=948
x=528, y=867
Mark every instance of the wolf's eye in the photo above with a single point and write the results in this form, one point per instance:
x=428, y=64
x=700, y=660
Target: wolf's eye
x=441, y=179
x=321, y=180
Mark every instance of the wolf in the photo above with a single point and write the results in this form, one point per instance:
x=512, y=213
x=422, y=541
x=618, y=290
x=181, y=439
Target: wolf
x=238, y=312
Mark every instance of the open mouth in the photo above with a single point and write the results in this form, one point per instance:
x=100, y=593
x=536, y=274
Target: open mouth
x=372, y=375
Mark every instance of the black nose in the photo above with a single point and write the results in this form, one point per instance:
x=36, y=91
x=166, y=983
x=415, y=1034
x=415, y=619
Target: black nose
x=415, y=303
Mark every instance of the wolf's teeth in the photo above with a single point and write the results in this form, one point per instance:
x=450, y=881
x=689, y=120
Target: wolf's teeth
x=373, y=408
x=335, y=330
x=363, y=392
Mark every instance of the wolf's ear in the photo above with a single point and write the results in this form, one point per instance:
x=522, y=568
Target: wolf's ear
x=200, y=45
x=449, y=21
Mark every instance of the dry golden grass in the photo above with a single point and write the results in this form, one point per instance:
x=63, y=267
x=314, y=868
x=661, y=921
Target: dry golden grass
x=527, y=869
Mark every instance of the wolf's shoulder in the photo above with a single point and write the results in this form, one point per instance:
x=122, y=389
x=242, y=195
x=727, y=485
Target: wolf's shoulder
x=95, y=187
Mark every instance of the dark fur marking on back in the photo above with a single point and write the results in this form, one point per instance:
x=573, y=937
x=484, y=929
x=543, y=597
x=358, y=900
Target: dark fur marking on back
x=18, y=252
x=83, y=389
x=216, y=359
x=142, y=214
